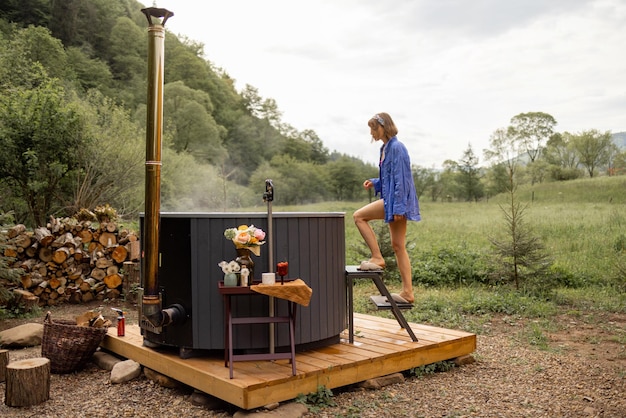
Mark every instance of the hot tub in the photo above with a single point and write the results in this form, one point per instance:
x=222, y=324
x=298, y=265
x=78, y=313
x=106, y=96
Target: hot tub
x=191, y=246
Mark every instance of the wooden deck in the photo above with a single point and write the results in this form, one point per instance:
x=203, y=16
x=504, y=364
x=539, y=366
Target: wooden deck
x=380, y=348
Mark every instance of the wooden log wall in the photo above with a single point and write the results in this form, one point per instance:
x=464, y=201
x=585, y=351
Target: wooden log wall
x=71, y=261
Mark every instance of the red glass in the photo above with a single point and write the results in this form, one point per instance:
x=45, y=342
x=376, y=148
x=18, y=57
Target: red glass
x=282, y=269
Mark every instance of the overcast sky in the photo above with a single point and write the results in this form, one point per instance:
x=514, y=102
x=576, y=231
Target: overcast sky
x=449, y=72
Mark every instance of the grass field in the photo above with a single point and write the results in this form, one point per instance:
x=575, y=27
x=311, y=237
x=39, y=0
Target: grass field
x=581, y=223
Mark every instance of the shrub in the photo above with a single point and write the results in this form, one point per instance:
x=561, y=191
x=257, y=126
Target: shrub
x=450, y=267
x=428, y=369
x=317, y=400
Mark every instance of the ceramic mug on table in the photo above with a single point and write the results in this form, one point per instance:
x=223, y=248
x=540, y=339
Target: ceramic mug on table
x=268, y=278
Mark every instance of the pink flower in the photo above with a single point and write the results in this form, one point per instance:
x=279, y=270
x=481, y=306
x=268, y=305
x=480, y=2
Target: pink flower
x=259, y=234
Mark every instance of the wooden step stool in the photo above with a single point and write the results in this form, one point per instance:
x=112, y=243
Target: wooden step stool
x=384, y=301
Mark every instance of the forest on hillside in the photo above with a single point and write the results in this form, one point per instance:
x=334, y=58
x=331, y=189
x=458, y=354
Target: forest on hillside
x=73, y=112
x=73, y=77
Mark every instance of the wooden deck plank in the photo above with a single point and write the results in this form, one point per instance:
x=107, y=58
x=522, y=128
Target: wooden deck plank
x=370, y=319
x=312, y=360
x=380, y=348
x=382, y=324
x=425, y=333
x=383, y=349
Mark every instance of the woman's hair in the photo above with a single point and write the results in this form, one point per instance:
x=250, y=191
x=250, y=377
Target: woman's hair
x=386, y=122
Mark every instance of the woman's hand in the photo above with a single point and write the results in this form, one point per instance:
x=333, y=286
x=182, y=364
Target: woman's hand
x=368, y=184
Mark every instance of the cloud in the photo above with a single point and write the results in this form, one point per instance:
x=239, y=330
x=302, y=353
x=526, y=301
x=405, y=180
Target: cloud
x=450, y=72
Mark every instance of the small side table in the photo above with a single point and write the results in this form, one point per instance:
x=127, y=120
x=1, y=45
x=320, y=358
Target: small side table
x=227, y=293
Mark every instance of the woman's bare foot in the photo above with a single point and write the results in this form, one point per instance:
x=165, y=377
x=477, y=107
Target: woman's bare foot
x=378, y=261
x=407, y=296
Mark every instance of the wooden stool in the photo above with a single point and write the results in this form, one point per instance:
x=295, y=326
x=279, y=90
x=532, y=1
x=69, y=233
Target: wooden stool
x=386, y=301
x=28, y=382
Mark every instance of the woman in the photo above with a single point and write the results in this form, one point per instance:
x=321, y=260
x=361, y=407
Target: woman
x=398, y=203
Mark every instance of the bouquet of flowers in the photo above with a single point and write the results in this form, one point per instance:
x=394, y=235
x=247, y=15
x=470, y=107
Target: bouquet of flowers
x=245, y=236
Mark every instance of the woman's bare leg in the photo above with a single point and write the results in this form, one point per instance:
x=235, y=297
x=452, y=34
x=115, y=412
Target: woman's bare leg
x=397, y=231
x=370, y=212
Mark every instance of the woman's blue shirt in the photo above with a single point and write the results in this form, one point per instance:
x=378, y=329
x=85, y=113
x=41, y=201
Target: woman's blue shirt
x=395, y=183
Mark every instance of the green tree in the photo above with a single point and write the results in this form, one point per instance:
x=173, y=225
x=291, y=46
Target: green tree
x=31, y=55
x=559, y=151
x=562, y=156
x=538, y=170
x=38, y=45
x=504, y=156
x=228, y=103
x=188, y=185
x=88, y=23
x=249, y=143
x=91, y=73
x=531, y=130
x=504, y=151
x=187, y=114
x=593, y=148
x=317, y=153
x=305, y=146
x=41, y=133
x=345, y=180
x=129, y=50
x=437, y=189
x=424, y=179
x=261, y=108
x=496, y=180
x=520, y=254
x=297, y=182
x=26, y=12
x=470, y=175
x=111, y=161
x=449, y=181
x=619, y=163
x=183, y=62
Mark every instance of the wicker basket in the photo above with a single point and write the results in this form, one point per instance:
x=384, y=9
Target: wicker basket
x=69, y=346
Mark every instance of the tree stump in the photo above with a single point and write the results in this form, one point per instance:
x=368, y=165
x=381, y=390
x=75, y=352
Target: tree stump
x=4, y=360
x=28, y=382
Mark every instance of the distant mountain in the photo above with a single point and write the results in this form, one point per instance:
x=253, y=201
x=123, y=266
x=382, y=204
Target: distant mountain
x=619, y=139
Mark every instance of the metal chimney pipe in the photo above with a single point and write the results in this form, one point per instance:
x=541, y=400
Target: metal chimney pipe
x=151, y=302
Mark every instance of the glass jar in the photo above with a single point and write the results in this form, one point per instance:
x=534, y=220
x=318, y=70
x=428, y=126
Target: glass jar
x=230, y=279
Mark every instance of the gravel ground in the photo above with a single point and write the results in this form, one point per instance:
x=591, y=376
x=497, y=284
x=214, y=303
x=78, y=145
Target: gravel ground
x=505, y=381
x=581, y=374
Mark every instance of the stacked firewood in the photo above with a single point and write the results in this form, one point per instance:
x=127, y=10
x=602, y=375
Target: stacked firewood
x=71, y=260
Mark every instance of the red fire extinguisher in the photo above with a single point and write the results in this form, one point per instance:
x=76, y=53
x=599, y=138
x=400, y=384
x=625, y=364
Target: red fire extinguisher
x=121, y=322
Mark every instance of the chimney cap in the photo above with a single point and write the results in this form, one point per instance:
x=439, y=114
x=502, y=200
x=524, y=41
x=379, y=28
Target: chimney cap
x=157, y=12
